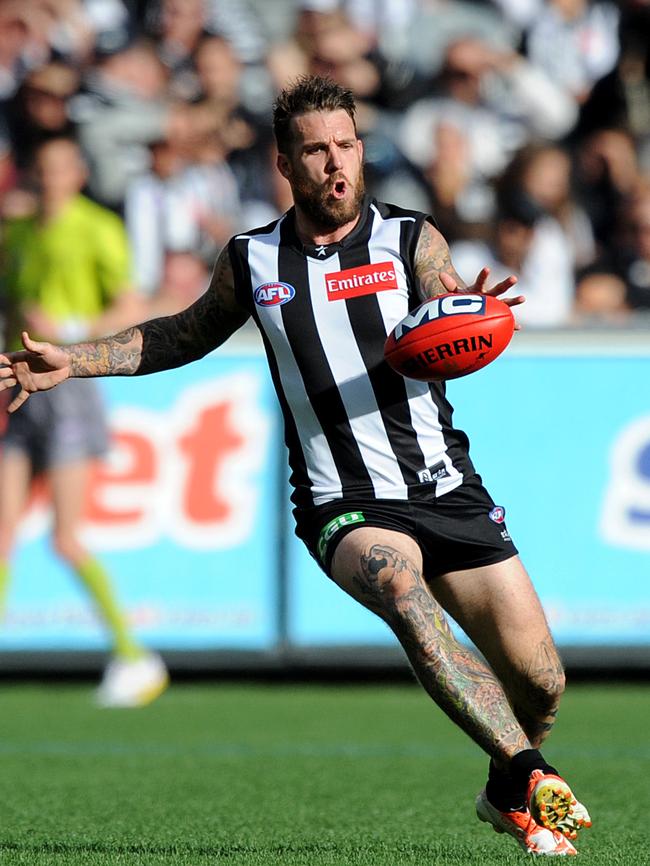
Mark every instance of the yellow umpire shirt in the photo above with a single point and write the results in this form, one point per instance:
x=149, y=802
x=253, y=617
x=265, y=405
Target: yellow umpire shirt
x=72, y=267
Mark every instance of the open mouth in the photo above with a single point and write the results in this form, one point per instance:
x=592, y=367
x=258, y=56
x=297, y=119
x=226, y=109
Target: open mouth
x=339, y=189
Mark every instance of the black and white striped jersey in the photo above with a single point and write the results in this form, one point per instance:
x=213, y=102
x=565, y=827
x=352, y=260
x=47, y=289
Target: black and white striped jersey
x=353, y=427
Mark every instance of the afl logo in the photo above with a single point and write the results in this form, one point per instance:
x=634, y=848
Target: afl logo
x=273, y=294
x=498, y=514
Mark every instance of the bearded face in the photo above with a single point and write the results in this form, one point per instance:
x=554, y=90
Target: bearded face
x=331, y=205
x=325, y=169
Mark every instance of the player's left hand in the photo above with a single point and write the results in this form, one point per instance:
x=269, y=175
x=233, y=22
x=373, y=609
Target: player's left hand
x=480, y=287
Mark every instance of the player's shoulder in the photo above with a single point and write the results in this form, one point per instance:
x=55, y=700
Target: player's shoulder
x=258, y=231
x=95, y=214
x=388, y=211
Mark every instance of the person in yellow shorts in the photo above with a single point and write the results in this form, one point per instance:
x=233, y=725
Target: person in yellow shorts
x=65, y=275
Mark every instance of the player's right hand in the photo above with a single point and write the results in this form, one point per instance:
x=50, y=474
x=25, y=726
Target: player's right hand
x=39, y=367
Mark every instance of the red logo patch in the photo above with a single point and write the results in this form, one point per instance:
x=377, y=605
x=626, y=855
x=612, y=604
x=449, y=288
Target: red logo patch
x=365, y=280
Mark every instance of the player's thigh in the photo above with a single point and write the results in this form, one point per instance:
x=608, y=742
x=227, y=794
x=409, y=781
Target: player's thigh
x=499, y=609
x=376, y=565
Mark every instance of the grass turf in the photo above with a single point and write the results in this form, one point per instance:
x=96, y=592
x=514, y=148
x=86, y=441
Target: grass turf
x=275, y=774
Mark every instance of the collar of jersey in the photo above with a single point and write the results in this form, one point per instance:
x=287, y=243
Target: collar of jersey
x=311, y=250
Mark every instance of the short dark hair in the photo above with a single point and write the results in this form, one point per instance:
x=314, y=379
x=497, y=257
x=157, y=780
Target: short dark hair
x=308, y=93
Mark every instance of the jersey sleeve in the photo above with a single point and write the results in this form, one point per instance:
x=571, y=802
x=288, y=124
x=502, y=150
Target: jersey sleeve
x=241, y=272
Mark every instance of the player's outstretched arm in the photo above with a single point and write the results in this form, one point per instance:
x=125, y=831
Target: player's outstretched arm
x=435, y=273
x=160, y=344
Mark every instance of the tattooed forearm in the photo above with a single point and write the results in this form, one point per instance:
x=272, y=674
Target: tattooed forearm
x=431, y=259
x=110, y=356
x=455, y=677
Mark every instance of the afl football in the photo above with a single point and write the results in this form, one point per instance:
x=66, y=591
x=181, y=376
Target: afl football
x=450, y=336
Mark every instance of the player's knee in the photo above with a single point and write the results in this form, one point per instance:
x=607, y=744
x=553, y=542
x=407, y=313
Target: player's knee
x=65, y=546
x=6, y=545
x=545, y=687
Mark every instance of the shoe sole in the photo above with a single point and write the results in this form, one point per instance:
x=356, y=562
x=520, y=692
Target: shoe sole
x=554, y=806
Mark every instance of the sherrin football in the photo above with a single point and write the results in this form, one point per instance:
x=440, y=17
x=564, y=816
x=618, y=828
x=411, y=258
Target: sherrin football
x=450, y=336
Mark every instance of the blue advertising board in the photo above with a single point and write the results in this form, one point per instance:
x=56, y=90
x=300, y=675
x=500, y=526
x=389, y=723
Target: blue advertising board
x=177, y=515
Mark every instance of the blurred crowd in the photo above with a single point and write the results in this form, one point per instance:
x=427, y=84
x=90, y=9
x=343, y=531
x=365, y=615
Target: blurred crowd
x=522, y=125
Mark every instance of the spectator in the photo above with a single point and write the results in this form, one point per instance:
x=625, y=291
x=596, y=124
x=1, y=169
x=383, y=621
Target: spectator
x=219, y=73
x=148, y=202
x=188, y=201
x=125, y=107
x=178, y=25
x=416, y=33
x=498, y=102
x=621, y=100
x=527, y=242
x=40, y=108
x=65, y=271
x=607, y=172
x=179, y=28
x=461, y=198
x=575, y=42
x=600, y=299
x=184, y=279
x=632, y=255
x=544, y=172
x=14, y=41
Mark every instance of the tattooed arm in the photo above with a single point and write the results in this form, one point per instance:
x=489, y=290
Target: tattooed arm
x=435, y=274
x=160, y=344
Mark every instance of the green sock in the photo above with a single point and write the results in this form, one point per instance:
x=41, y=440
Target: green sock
x=98, y=584
x=5, y=576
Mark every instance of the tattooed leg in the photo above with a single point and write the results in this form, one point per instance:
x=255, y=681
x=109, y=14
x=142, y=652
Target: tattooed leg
x=535, y=691
x=382, y=570
x=498, y=608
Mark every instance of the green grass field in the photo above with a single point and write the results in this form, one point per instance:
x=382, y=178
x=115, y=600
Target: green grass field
x=261, y=774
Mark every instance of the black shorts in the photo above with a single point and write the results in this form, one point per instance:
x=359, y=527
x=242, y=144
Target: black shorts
x=461, y=529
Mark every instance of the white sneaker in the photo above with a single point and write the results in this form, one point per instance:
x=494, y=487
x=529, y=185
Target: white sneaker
x=132, y=683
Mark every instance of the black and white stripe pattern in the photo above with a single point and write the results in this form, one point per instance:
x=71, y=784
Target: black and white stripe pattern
x=354, y=428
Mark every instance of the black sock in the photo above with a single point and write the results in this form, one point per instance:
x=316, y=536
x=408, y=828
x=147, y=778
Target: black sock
x=523, y=764
x=506, y=789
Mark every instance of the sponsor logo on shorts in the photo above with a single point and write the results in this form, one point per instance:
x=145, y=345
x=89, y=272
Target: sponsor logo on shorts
x=498, y=514
x=332, y=527
x=505, y=535
x=364, y=280
x=273, y=294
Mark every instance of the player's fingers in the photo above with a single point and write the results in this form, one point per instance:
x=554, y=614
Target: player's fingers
x=514, y=301
x=448, y=282
x=503, y=286
x=8, y=359
x=7, y=382
x=479, y=284
x=33, y=345
x=18, y=400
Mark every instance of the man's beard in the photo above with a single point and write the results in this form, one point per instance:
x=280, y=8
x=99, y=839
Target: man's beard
x=325, y=213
